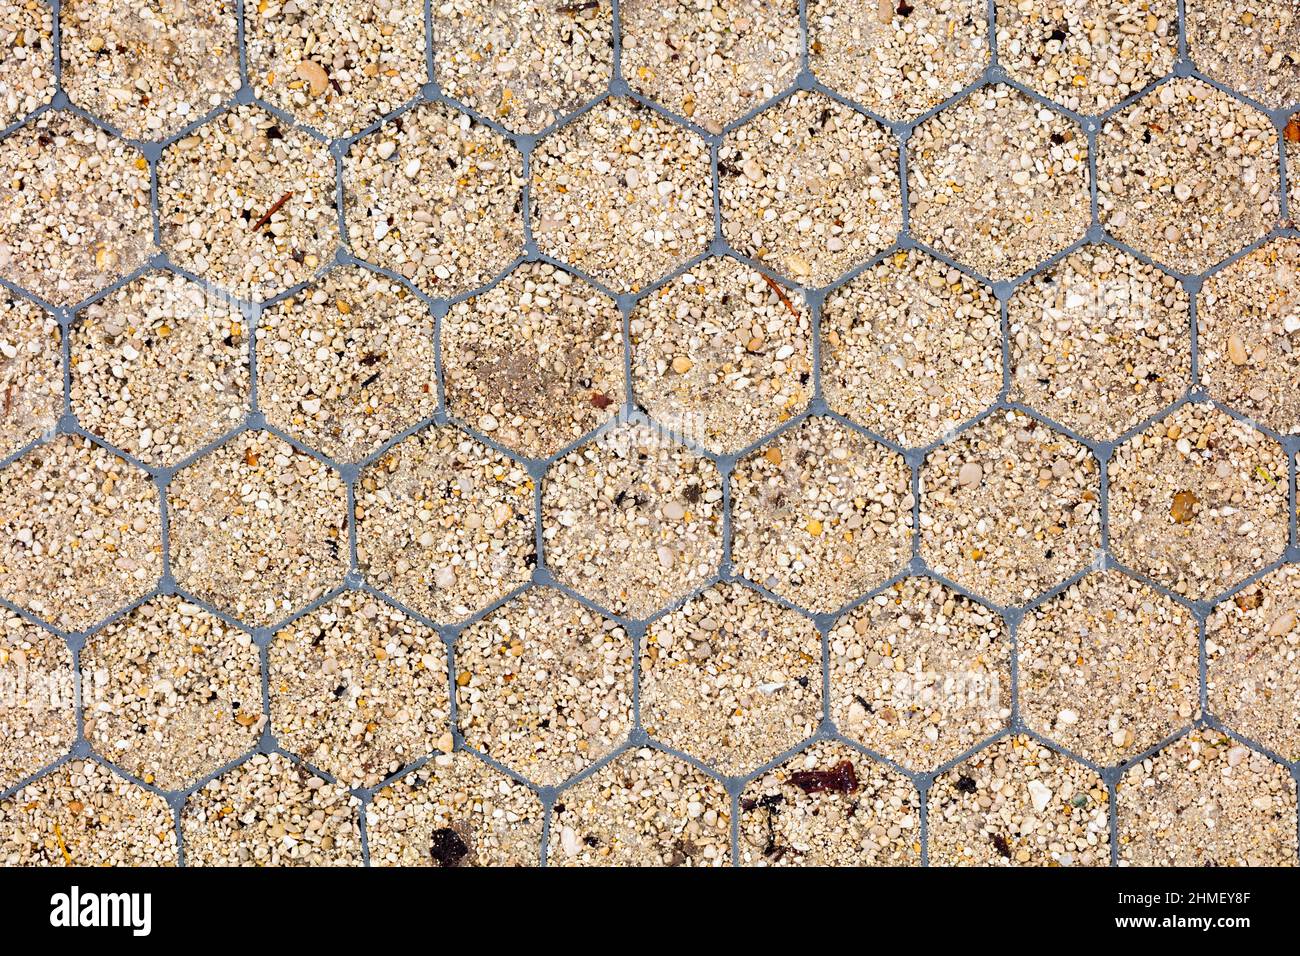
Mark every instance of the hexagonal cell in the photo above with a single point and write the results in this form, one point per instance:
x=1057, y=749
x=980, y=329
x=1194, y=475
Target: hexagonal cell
x=76, y=208
x=271, y=811
x=258, y=528
x=722, y=354
x=1108, y=668
x=1088, y=55
x=347, y=363
x=644, y=808
x=444, y=524
x=622, y=194
x=820, y=514
x=524, y=63
x=1252, y=645
x=1188, y=175
x=1017, y=803
x=247, y=202
x=1206, y=800
x=536, y=361
x=544, y=685
x=455, y=811
x=27, y=66
x=82, y=814
x=31, y=373
x=38, y=721
x=710, y=62
x=920, y=673
x=80, y=535
x=830, y=806
x=336, y=66
x=633, y=520
x=732, y=678
x=1099, y=342
x=898, y=59
x=170, y=693
x=1249, y=45
x=160, y=368
x=1198, y=501
x=1009, y=508
x=809, y=187
x=358, y=689
x=435, y=196
x=998, y=181
x=1248, y=333
x=152, y=66
x=911, y=348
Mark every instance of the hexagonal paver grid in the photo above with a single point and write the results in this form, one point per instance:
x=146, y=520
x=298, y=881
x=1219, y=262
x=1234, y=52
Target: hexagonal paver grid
x=258, y=528
x=454, y=811
x=525, y=63
x=170, y=693
x=1108, y=668
x=898, y=59
x=160, y=368
x=1099, y=342
x=732, y=678
x=544, y=685
x=820, y=514
x=271, y=811
x=27, y=65
x=347, y=363
x=75, y=207
x=31, y=373
x=622, y=194
x=1206, y=800
x=911, y=348
x=436, y=197
x=1017, y=803
x=1188, y=175
x=444, y=524
x=151, y=66
x=247, y=202
x=1088, y=55
x=809, y=187
x=1198, y=501
x=645, y=808
x=38, y=720
x=1009, y=508
x=336, y=66
x=80, y=536
x=722, y=354
x=1252, y=645
x=830, y=806
x=82, y=814
x=1248, y=333
x=358, y=689
x=536, y=361
x=920, y=674
x=1249, y=45
x=710, y=62
x=632, y=520
x=998, y=182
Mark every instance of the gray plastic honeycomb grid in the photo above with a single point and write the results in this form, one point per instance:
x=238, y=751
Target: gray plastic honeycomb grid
x=630, y=411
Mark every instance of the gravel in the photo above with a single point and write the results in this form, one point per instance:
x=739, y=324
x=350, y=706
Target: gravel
x=544, y=685
x=722, y=354
x=732, y=678
x=1187, y=175
x=810, y=188
x=998, y=181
